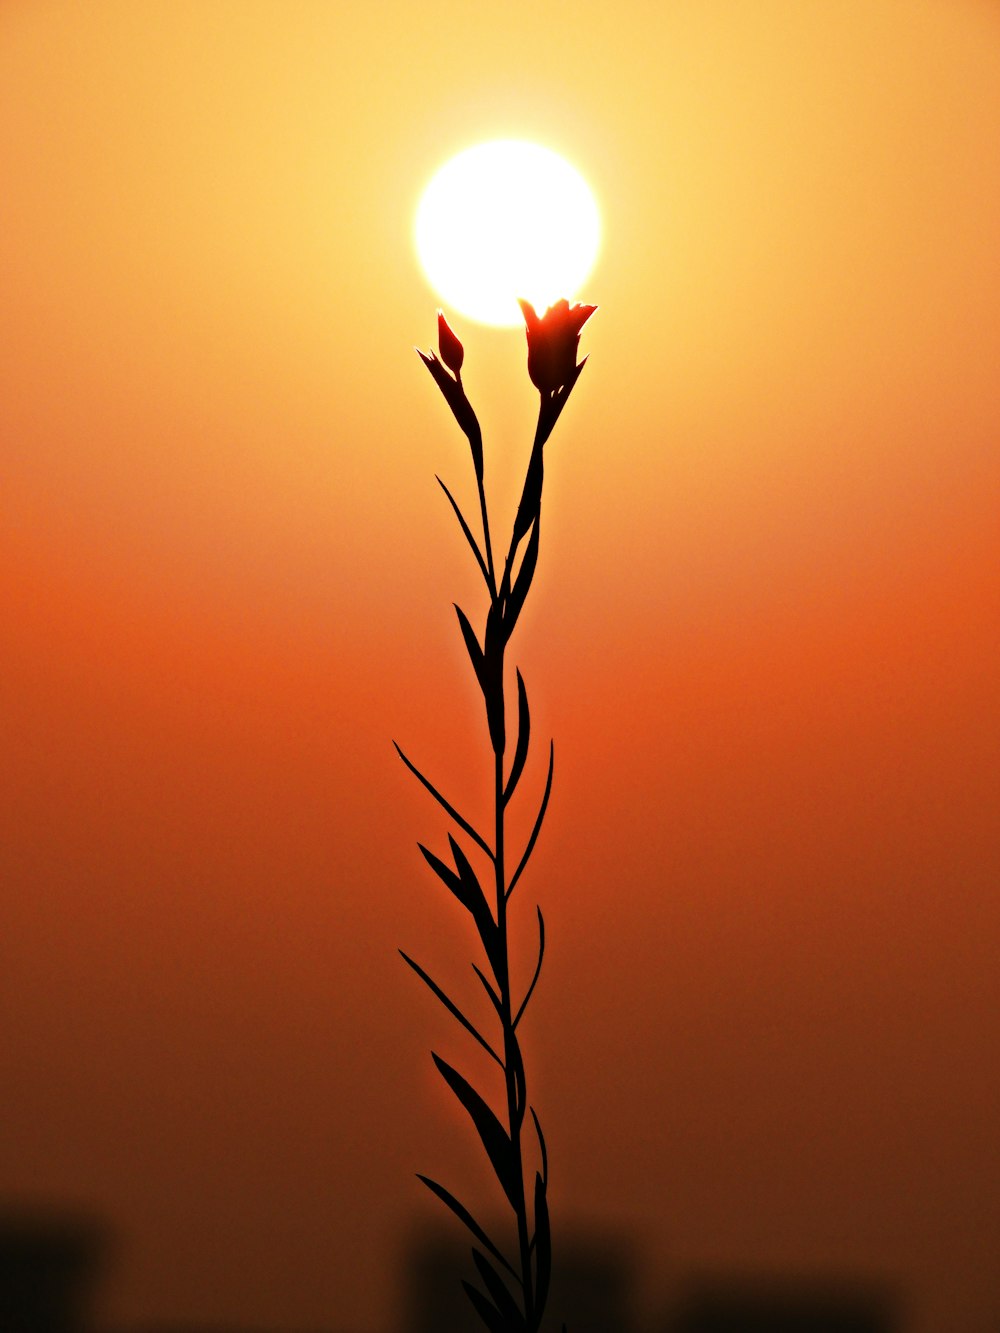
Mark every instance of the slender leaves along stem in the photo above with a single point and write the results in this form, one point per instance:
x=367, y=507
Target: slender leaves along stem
x=514, y=1286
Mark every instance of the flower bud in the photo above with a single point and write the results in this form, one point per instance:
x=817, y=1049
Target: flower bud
x=452, y=351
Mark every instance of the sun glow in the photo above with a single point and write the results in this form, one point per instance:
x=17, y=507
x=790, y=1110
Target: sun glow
x=502, y=220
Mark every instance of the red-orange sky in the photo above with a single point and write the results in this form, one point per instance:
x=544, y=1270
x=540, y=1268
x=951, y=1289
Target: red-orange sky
x=764, y=635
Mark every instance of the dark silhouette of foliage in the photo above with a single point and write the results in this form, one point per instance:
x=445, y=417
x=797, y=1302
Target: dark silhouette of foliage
x=553, y=341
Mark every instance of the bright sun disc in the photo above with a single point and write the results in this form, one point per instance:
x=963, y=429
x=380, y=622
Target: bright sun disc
x=502, y=220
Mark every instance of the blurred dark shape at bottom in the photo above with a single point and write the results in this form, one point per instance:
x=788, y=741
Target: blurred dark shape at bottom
x=174, y=1327
x=49, y=1265
x=782, y=1305
x=592, y=1282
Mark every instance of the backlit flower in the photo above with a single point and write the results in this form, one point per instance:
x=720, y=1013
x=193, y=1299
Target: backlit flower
x=553, y=342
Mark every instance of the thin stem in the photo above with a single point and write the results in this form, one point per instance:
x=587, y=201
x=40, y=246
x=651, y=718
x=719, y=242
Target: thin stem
x=491, y=573
x=512, y=1063
x=509, y=1040
x=512, y=1055
x=536, y=443
x=478, y=461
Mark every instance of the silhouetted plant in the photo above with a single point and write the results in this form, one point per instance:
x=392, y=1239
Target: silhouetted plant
x=516, y=1289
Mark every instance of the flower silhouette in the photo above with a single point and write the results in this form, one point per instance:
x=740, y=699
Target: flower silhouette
x=451, y=350
x=553, y=342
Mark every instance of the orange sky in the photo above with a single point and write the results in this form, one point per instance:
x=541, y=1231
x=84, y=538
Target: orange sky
x=764, y=635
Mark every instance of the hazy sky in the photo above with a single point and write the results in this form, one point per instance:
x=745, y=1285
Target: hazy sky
x=764, y=635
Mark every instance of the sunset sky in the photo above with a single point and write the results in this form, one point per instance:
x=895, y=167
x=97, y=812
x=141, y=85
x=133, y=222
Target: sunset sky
x=764, y=635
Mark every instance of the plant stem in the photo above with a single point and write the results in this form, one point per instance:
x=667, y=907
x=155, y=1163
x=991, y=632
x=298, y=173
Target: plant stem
x=510, y=1054
x=486, y=539
x=511, y=1051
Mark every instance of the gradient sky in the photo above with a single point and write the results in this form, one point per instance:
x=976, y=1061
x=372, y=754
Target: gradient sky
x=764, y=635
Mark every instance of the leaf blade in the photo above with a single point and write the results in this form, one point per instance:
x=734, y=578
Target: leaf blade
x=541, y=1144
x=543, y=1247
x=531, y=497
x=538, y=823
x=498, y=1292
x=523, y=737
x=487, y=1312
x=452, y=1008
x=522, y=583
x=465, y=1217
x=468, y=532
x=473, y=648
x=493, y=645
x=515, y=1063
x=445, y=874
x=494, y=1137
x=494, y=997
x=475, y=900
x=463, y=824
x=538, y=966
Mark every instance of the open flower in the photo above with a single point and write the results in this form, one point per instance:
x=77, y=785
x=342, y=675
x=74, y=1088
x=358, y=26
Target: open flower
x=553, y=342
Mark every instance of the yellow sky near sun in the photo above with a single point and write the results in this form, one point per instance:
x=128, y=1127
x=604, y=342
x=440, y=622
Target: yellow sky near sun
x=763, y=634
x=200, y=209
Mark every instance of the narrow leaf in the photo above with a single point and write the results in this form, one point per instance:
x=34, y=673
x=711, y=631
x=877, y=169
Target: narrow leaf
x=538, y=823
x=465, y=1217
x=466, y=873
x=531, y=497
x=494, y=1137
x=446, y=805
x=523, y=581
x=553, y=406
x=498, y=1292
x=497, y=1002
x=515, y=1063
x=451, y=1006
x=504, y=591
x=538, y=966
x=523, y=735
x=543, y=1247
x=493, y=643
x=493, y=636
x=541, y=1145
x=465, y=886
x=475, y=900
x=473, y=649
x=446, y=875
x=468, y=532
x=488, y=1313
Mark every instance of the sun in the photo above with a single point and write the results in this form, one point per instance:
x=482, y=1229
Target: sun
x=506, y=219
